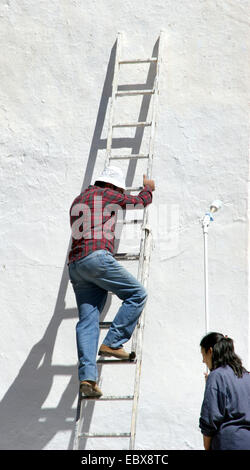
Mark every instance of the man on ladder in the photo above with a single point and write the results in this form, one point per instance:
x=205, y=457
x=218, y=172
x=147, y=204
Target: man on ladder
x=94, y=272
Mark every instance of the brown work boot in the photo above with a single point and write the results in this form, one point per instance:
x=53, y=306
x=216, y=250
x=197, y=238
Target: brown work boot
x=90, y=389
x=120, y=353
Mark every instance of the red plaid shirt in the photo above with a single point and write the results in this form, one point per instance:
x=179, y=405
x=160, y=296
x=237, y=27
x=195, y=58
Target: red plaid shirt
x=92, y=218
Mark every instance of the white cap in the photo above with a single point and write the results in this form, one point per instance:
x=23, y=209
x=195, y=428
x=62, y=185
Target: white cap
x=113, y=175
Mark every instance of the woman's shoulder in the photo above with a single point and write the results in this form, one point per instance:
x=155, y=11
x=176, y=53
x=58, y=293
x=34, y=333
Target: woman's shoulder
x=225, y=374
x=218, y=376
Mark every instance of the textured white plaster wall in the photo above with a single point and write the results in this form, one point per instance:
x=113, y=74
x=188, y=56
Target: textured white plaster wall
x=55, y=70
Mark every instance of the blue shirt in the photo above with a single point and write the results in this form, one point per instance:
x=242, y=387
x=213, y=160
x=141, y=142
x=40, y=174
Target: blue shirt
x=225, y=411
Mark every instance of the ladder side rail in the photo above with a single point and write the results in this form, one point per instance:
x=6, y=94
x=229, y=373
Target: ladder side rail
x=140, y=331
x=143, y=269
x=79, y=422
x=140, y=273
x=145, y=216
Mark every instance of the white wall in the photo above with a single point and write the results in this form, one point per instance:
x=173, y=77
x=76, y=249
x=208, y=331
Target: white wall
x=56, y=65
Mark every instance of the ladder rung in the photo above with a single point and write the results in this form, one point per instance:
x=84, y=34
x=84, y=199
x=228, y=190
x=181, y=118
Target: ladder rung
x=105, y=324
x=109, y=397
x=127, y=256
x=107, y=434
x=138, y=61
x=135, y=92
x=133, y=221
x=132, y=124
x=138, y=188
x=132, y=155
x=116, y=361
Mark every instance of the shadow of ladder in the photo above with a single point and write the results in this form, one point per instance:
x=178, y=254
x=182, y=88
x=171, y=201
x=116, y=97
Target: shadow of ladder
x=143, y=257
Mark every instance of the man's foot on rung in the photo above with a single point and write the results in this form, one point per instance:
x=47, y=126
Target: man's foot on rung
x=119, y=353
x=90, y=389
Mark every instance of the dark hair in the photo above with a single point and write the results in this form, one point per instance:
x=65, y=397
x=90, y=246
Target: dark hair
x=223, y=352
x=102, y=184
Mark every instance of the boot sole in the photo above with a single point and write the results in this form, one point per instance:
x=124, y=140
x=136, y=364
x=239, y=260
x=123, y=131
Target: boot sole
x=129, y=357
x=88, y=391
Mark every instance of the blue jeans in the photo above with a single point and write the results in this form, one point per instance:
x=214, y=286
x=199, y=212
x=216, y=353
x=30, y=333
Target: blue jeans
x=92, y=278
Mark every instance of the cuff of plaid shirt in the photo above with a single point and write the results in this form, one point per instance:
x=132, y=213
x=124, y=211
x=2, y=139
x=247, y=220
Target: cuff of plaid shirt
x=147, y=188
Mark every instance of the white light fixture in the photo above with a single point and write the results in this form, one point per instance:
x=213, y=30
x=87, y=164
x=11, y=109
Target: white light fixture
x=215, y=206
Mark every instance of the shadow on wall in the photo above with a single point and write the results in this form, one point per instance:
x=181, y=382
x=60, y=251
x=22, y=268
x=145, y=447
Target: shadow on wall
x=25, y=425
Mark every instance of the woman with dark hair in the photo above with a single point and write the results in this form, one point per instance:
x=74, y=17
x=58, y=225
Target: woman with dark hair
x=225, y=411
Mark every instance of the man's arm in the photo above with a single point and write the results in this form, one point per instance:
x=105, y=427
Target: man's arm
x=143, y=198
x=145, y=195
x=207, y=442
x=147, y=182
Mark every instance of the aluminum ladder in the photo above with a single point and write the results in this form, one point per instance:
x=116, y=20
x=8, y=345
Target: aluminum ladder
x=143, y=257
